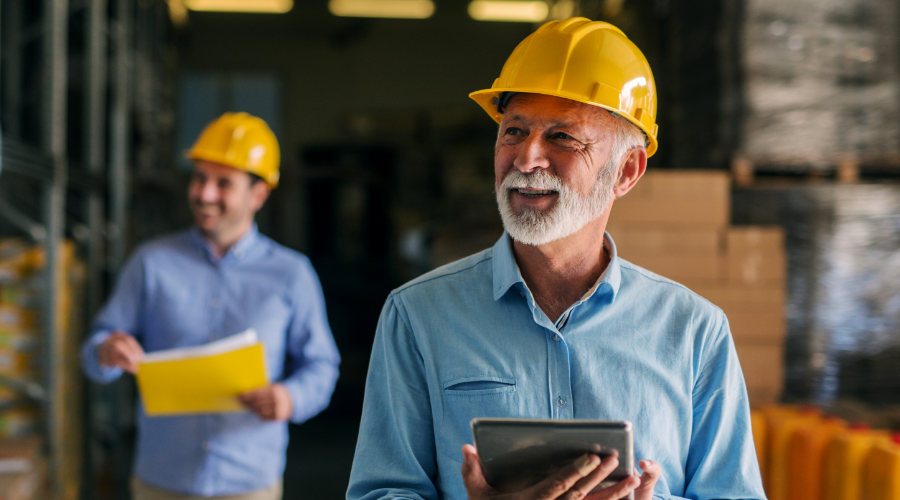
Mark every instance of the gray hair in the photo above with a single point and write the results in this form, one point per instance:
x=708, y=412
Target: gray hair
x=628, y=137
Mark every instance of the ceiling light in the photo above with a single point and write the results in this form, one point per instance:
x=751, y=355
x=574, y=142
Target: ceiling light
x=398, y=9
x=507, y=10
x=177, y=12
x=261, y=6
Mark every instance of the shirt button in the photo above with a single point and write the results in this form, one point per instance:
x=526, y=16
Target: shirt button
x=205, y=445
x=561, y=401
x=557, y=337
x=216, y=303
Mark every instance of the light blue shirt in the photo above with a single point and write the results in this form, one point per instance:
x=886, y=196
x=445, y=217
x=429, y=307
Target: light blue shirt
x=173, y=293
x=467, y=340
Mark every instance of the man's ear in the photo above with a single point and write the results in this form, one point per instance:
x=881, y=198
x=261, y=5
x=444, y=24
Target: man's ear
x=631, y=171
x=259, y=193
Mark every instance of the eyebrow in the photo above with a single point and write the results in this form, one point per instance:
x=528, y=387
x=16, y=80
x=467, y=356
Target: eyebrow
x=550, y=124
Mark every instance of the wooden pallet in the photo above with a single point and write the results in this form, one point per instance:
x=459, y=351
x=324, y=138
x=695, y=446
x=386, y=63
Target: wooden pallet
x=845, y=168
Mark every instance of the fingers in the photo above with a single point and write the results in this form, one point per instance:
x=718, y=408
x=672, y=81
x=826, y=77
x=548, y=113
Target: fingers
x=284, y=405
x=473, y=477
x=561, y=482
x=651, y=475
x=618, y=490
x=121, y=350
x=268, y=403
x=584, y=486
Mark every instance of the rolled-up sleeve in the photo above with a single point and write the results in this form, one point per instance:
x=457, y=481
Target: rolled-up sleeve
x=721, y=446
x=121, y=312
x=395, y=453
x=312, y=355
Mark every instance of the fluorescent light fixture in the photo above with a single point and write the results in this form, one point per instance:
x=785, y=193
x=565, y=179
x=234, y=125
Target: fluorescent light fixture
x=526, y=11
x=260, y=6
x=397, y=9
x=177, y=12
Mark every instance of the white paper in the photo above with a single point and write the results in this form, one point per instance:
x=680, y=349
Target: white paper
x=228, y=344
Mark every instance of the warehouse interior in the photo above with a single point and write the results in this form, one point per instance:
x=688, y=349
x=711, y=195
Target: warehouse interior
x=774, y=195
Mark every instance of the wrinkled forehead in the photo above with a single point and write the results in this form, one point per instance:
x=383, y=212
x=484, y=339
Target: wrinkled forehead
x=529, y=107
x=551, y=111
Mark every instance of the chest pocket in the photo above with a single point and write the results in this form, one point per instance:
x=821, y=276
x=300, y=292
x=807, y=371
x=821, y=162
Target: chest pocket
x=473, y=397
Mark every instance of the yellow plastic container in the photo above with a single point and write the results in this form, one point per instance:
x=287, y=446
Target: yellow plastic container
x=881, y=471
x=758, y=426
x=781, y=422
x=842, y=471
x=806, y=452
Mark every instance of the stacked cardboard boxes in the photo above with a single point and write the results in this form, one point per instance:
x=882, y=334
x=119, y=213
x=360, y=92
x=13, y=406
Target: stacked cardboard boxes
x=22, y=469
x=22, y=340
x=676, y=224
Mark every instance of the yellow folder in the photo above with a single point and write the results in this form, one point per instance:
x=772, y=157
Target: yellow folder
x=203, y=379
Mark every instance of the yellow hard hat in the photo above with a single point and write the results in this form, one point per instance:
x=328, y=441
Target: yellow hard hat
x=586, y=61
x=242, y=141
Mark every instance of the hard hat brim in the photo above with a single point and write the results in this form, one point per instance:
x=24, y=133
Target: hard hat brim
x=485, y=99
x=195, y=154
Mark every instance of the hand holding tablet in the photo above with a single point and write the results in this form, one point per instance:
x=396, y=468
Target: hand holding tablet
x=550, y=459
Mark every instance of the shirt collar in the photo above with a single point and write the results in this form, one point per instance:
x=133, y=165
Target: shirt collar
x=506, y=272
x=237, y=251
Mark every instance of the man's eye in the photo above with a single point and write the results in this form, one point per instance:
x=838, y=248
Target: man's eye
x=562, y=135
x=513, y=131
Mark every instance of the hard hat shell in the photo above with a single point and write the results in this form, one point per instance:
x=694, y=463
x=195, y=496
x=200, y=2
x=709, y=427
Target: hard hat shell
x=586, y=61
x=242, y=141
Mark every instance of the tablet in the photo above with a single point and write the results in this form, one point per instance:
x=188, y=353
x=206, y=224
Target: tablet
x=518, y=453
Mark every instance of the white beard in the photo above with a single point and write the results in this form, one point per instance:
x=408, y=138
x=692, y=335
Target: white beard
x=571, y=212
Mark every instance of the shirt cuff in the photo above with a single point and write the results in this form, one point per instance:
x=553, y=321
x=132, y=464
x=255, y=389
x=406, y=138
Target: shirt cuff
x=92, y=367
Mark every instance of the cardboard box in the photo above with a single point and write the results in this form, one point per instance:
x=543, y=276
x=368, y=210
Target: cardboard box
x=679, y=197
x=763, y=396
x=706, y=269
x=755, y=255
x=17, y=363
x=755, y=315
x=757, y=328
x=19, y=422
x=23, y=469
x=684, y=184
x=698, y=242
x=15, y=318
x=763, y=365
x=633, y=211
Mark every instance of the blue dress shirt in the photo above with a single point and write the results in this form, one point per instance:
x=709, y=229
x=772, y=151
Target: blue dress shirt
x=467, y=340
x=173, y=293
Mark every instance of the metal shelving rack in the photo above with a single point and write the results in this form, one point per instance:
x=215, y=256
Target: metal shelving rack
x=68, y=127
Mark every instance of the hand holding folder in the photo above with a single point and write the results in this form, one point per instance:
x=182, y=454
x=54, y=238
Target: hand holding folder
x=202, y=379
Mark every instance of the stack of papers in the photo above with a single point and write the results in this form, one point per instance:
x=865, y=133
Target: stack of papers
x=202, y=379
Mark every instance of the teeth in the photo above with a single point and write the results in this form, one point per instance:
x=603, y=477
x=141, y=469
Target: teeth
x=531, y=192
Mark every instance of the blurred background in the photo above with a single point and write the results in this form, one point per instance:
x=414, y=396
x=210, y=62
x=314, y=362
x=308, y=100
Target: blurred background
x=786, y=115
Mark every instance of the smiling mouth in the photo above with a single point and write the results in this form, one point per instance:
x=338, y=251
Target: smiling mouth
x=534, y=193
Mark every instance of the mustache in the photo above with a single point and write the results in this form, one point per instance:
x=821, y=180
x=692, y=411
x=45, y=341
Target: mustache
x=538, y=180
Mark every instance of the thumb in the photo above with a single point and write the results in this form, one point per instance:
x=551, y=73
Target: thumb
x=651, y=475
x=472, y=474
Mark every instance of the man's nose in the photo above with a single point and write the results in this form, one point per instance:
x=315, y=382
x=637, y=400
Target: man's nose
x=209, y=193
x=531, y=155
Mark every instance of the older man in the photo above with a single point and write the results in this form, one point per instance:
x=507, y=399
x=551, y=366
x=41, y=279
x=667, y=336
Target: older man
x=550, y=322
